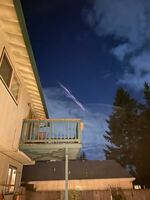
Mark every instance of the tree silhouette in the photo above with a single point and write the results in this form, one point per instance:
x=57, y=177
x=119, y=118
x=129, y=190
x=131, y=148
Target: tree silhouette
x=121, y=135
x=128, y=137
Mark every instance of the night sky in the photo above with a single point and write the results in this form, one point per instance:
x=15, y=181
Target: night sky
x=68, y=50
x=89, y=48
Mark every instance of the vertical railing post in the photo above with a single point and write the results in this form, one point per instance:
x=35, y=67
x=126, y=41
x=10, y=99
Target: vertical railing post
x=31, y=124
x=23, y=132
x=66, y=173
x=50, y=131
x=79, y=132
x=67, y=131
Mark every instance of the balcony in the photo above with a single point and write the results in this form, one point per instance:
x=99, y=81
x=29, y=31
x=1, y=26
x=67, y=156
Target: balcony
x=48, y=139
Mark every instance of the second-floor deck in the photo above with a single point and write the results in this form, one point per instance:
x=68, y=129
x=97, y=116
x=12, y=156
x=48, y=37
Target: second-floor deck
x=47, y=139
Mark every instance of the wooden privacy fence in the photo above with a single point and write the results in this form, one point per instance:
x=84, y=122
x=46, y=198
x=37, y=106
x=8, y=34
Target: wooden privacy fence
x=88, y=195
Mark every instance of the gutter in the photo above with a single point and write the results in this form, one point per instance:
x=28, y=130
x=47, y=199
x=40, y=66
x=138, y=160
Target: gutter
x=23, y=27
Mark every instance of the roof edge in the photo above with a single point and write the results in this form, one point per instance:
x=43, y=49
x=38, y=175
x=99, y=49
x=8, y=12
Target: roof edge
x=23, y=27
x=81, y=179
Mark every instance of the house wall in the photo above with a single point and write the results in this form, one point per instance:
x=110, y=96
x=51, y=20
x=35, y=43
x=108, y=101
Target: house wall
x=89, y=184
x=12, y=115
x=5, y=161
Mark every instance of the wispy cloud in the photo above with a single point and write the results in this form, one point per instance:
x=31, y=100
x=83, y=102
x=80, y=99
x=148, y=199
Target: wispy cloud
x=59, y=106
x=140, y=65
x=127, y=20
x=106, y=75
x=71, y=96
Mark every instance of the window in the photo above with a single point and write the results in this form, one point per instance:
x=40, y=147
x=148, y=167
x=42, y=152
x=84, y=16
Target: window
x=15, y=87
x=11, y=179
x=9, y=76
x=6, y=70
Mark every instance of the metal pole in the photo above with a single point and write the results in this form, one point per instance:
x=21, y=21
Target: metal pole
x=66, y=173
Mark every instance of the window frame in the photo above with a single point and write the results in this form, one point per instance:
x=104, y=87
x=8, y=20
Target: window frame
x=14, y=74
x=8, y=186
x=7, y=60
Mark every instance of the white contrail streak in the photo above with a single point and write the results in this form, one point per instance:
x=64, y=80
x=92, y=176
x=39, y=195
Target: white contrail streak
x=69, y=95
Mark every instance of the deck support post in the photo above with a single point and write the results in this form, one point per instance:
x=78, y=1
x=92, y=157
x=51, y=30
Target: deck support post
x=66, y=173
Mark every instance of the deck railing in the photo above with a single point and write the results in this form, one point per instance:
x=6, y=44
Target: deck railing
x=51, y=131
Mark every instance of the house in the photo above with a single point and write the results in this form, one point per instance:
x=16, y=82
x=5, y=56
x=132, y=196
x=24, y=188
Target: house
x=26, y=133
x=83, y=175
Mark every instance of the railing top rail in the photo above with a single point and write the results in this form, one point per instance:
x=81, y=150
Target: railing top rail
x=55, y=120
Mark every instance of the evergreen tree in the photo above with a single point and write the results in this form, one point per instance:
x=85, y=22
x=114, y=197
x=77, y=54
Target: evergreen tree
x=147, y=95
x=143, y=152
x=83, y=156
x=121, y=136
x=128, y=137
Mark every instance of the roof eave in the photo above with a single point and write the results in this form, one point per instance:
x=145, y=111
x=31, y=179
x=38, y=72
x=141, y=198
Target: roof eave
x=23, y=27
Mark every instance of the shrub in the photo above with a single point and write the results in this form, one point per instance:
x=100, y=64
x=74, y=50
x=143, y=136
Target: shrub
x=117, y=194
x=74, y=195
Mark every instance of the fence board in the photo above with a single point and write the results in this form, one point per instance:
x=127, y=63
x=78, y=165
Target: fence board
x=88, y=195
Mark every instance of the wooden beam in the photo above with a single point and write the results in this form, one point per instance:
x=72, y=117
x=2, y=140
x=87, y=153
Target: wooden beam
x=28, y=77
x=17, y=53
x=17, y=44
x=13, y=33
x=23, y=63
x=7, y=4
x=10, y=20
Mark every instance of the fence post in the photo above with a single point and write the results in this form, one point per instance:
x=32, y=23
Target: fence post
x=66, y=173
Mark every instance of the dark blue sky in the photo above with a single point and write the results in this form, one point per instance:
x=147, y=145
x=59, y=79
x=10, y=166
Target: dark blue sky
x=68, y=50
x=91, y=51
